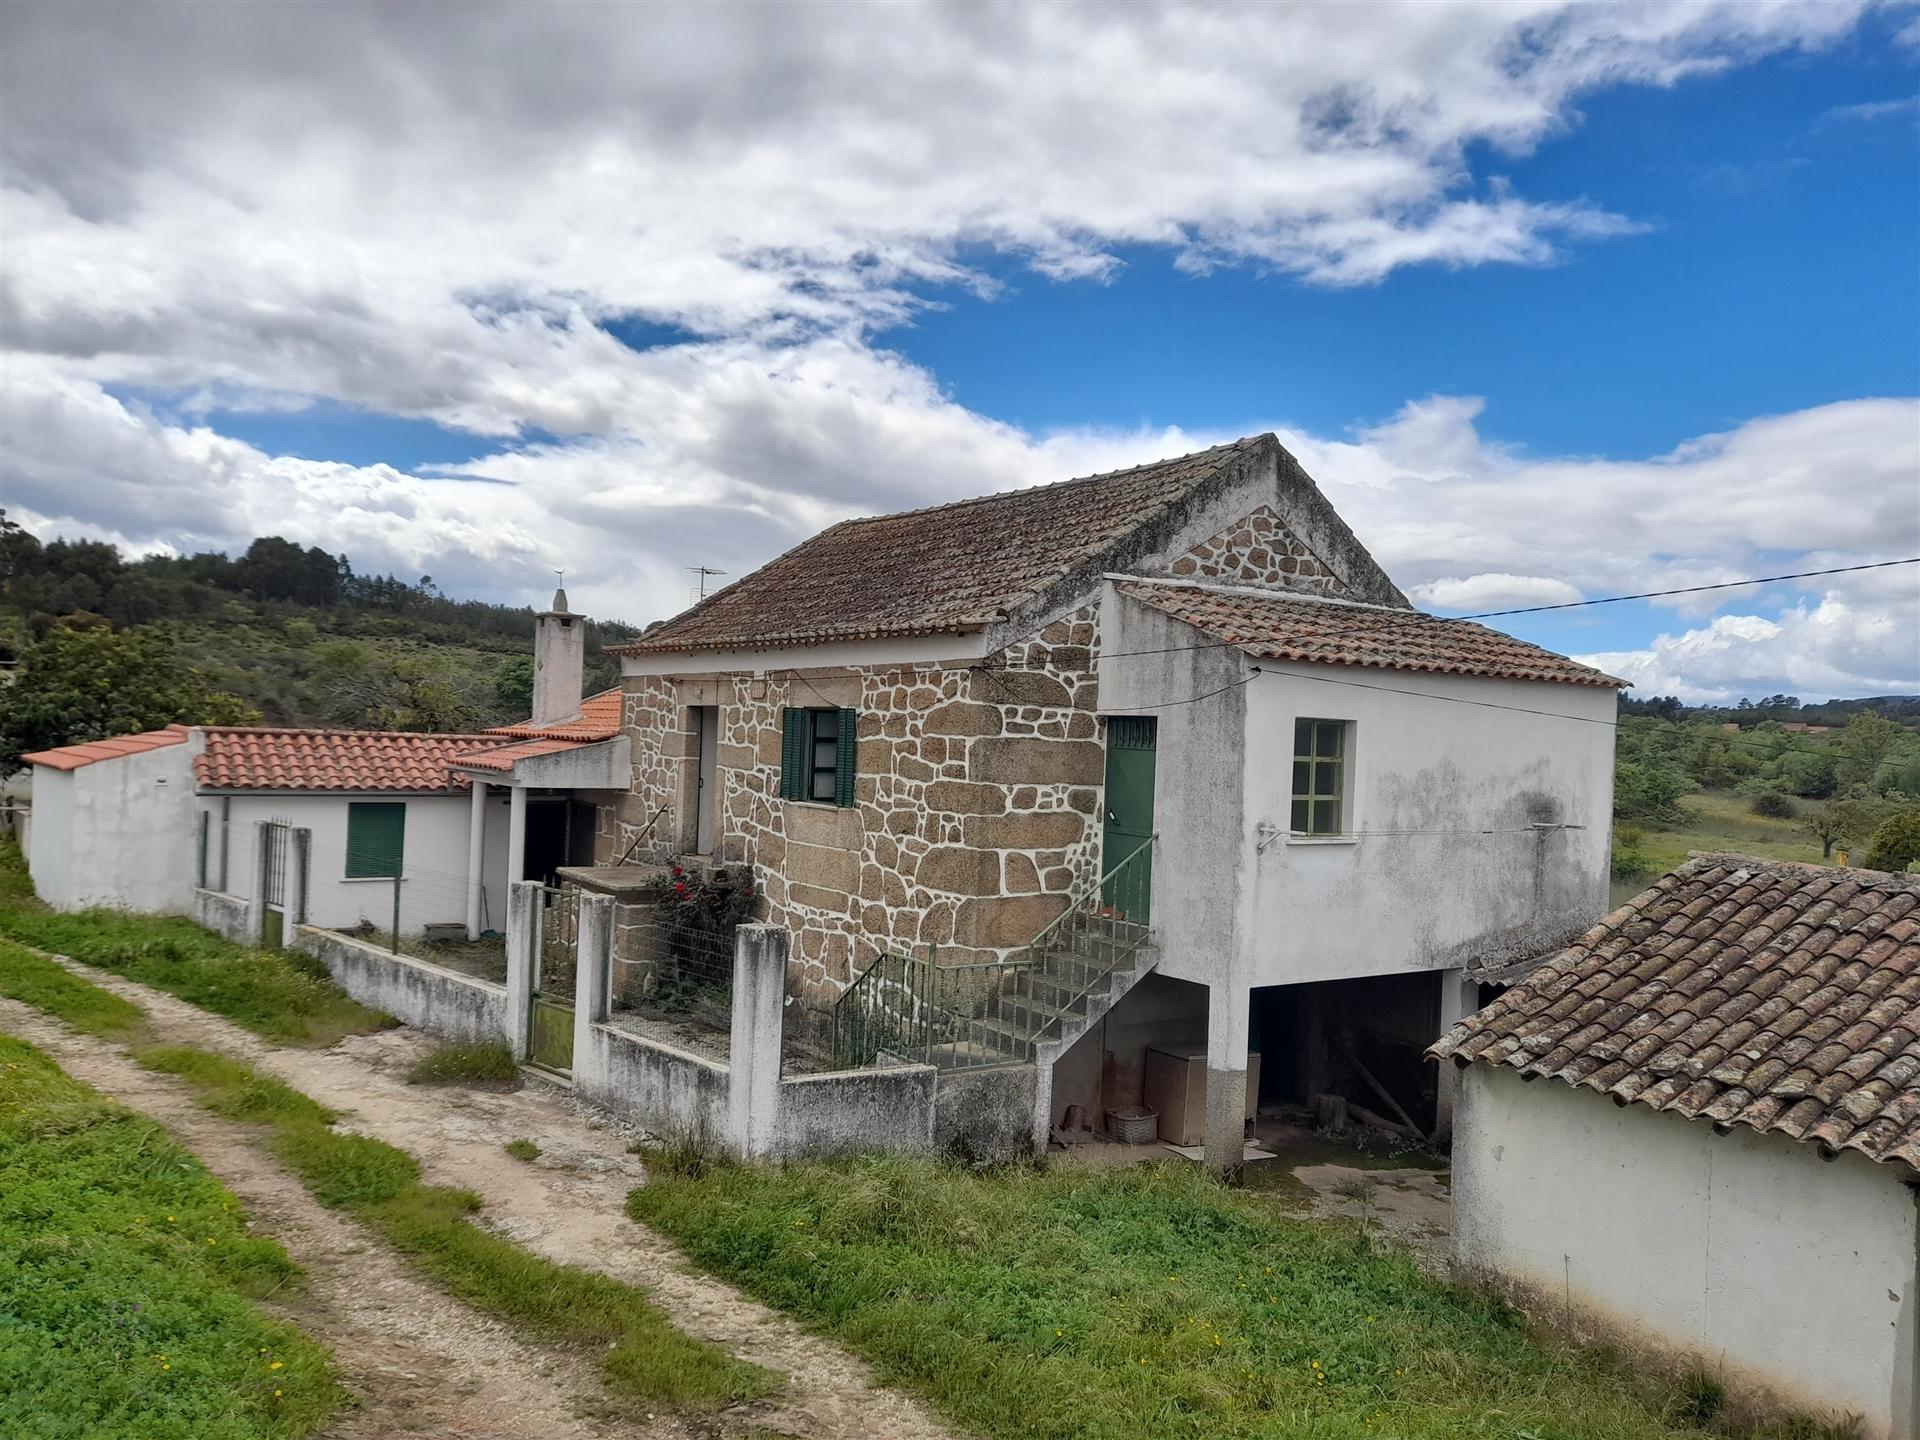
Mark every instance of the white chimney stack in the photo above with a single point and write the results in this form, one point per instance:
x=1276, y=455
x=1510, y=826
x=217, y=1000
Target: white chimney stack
x=559, y=662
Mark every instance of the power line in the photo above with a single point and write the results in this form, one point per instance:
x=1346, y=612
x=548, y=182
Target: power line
x=1683, y=590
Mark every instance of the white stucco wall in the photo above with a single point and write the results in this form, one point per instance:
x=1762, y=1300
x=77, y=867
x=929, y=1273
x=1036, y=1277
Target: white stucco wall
x=117, y=832
x=1794, y=1274
x=1434, y=761
x=434, y=857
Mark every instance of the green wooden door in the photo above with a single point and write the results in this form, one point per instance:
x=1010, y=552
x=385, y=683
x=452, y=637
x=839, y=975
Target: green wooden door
x=1130, y=754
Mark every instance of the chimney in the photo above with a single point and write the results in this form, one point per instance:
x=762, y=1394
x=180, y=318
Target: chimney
x=559, y=662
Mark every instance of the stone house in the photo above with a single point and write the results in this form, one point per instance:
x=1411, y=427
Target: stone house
x=1697, y=1128
x=1157, y=763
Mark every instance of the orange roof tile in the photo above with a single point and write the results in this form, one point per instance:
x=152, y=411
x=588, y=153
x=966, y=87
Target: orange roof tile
x=1779, y=996
x=72, y=757
x=1288, y=627
x=505, y=756
x=599, y=720
x=358, y=760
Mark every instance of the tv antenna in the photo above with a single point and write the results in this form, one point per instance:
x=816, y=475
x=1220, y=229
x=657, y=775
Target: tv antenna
x=703, y=571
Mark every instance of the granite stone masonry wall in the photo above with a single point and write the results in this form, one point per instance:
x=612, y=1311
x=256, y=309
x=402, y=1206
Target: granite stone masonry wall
x=978, y=787
x=1260, y=551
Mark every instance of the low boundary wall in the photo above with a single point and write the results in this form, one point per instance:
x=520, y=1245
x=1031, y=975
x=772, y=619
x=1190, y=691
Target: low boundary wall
x=231, y=916
x=416, y=992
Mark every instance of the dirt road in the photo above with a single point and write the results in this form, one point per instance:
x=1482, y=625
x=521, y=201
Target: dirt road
x=423, y=1363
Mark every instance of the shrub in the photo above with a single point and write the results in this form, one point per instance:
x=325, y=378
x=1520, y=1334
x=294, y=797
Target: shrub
x=1896, y=844
x=1772, y=805
x=1630, y=863
x=1648, y=790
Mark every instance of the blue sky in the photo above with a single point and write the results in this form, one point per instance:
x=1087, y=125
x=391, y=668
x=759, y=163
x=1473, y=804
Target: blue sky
x=1665, y=259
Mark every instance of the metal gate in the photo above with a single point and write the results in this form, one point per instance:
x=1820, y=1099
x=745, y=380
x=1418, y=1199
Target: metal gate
x=556, y=957
x=274, y=835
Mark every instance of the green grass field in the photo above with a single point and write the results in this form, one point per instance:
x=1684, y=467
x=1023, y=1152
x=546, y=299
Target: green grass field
x=280, y=996
x=1719, y=820
x=1136, y=1304
x=124, y=1299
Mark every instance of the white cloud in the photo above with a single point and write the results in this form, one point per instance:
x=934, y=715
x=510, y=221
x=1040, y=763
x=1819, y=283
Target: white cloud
x=1908, y=108
x=437, y=213
x=1495, y=590
x=1814, y=649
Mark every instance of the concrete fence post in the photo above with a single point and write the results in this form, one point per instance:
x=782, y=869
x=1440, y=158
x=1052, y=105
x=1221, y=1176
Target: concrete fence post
x=256, y=921
x=523, y=920
x=759, y=1020
x=590, y=974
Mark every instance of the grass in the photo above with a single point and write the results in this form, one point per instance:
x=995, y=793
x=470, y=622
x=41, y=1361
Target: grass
x=645, y=1360
x=125, y=1300
x=522, y=1150
x=33, y=979
x=280, y=996
x=1118, y=1305
x=466, y=1062
x=1721, y=820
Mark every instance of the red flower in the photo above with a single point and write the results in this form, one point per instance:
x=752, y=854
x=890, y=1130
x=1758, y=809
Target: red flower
x=680, y=888
x=678, y=872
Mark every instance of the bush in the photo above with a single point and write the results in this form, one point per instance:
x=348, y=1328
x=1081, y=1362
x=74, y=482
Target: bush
x=1648, y=790
x=1630, y=863
x=1772, y=805
x=1896, y=844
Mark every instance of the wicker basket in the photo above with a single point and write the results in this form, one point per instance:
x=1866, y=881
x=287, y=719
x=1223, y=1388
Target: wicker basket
x=1134, y=1125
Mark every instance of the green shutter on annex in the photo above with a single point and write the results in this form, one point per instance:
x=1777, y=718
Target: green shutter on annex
x=793, y=754
x=376, y=839
x=843, y=763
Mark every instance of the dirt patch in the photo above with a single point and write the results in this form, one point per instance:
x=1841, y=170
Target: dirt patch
x=568, y=1205
x=1413, y=1206
x=416, y=1361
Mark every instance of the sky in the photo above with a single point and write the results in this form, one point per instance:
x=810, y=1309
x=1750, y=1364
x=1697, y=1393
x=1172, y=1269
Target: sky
x=1554, y=301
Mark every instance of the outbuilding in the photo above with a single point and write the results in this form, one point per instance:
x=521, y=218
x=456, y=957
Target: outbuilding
x=1697, y=1129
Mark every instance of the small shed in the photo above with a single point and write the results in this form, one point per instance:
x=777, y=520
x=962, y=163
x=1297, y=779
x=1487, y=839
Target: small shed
x=1698, y=1128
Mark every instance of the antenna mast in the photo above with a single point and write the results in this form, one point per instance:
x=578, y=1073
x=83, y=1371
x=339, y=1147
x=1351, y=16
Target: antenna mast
x=703, y=571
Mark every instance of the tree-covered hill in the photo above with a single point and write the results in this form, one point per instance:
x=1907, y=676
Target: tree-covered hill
x=279, y=634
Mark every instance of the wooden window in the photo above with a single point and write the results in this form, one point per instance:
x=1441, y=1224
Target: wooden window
x=1319, y=776
x=376, y=839
x=817, y=755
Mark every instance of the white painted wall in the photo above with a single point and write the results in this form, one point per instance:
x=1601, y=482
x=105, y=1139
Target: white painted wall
x=117, y=832
x=1795, y=1274
x=434, y=886
x=1417, y=884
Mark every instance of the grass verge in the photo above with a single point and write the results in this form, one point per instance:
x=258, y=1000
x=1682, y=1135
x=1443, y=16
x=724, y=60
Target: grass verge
x=124, y=1299
x=467, y=1062
x=645, y=1360
x=1118, y=1305
x=33, y=979
x=280, y=996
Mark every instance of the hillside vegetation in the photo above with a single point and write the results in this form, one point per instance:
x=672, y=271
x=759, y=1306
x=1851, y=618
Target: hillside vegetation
x=1685, y=781
x=278, y=635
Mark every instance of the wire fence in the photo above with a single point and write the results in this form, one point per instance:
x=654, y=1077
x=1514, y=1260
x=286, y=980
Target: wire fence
x=672, y=980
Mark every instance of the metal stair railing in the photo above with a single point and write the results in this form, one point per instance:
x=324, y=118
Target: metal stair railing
x=958, y=1017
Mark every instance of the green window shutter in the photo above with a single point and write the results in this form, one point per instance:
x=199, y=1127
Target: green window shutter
x=793, y=754
x=376, y=840
x=843, y=768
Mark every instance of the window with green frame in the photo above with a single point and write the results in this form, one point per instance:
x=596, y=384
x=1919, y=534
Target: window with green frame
x=1319, y=777
x=817, y=755
x=376, y=839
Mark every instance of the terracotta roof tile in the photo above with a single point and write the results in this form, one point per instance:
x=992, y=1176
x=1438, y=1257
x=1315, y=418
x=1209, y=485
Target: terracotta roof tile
x=72, y=757
x=503, y=757
x=354, y=760
x=951, y=568
x=1284, y=627
x=1778, y=996
x=599, y=720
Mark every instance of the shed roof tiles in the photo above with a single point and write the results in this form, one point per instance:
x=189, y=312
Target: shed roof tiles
x=1335, y=632
x=599, y=720
x=1777, y=996
x=72, y=757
